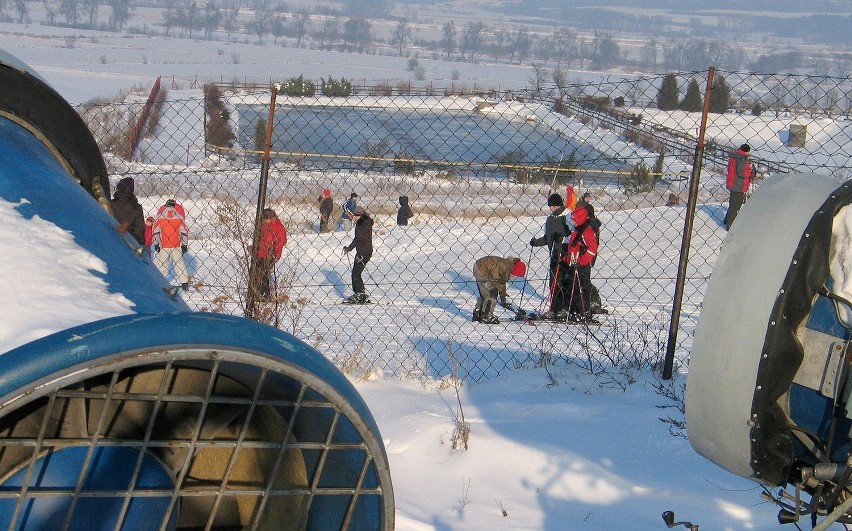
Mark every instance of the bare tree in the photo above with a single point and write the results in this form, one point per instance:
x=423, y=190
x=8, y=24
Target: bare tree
x=356, y=32
x=229, y=22
x=120, y=11
x=560, y=79
x=501, y=36
x=564, y=45
x=300, y=26
x=648, y=53
x=212, y=18
x=538, y=79
x=472, y=38
x=90, y=9
x=329, y=30
x=448, y=41
x=22, y=10
x=401, y=35
x=70, y=10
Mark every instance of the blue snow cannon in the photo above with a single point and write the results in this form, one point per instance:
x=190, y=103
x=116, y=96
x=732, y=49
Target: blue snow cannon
x=138, y=413
x=768, y=393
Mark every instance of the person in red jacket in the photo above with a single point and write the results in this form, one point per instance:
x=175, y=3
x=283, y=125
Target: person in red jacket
x=149, y=234
x=270, y=244
x=574, y=299
x=171, y=240
x=739, y=178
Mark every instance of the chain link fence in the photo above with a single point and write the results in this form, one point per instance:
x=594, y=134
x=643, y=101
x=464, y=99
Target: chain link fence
x=477, y=169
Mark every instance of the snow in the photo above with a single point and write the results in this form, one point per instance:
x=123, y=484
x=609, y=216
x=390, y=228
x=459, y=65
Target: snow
x=549, y=448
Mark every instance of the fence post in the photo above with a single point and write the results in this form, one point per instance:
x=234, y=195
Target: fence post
x=674, y=324
x=251, y=297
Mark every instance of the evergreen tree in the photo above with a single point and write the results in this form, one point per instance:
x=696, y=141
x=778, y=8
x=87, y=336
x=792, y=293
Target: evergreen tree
x=668, y=94
x=720, y=97
x=692, y=101
x=260, y=137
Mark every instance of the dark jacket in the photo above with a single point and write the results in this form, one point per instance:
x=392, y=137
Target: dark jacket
x=326, y=206
x=405, y=212
x=363, y=240
x=126, y=209
x=555, y=230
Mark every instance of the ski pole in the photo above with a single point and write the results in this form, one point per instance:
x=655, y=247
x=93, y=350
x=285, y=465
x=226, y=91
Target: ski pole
x=552, y=286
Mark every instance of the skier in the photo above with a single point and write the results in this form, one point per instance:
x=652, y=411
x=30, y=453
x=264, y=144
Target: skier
x=347, y=216
x=737, y=183
x=170, y=239
x=582, y=251
x=271, y=242
x=555, y=229
x=363, y=245
x=492, y=274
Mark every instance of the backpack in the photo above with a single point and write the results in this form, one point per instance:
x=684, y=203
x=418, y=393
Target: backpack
x=595, y=224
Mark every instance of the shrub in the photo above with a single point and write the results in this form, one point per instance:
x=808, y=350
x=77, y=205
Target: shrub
x=298, y=86
x=382, y=89
x=757, y=108
x=333, y=88
x=640, y=179
x=412, y=64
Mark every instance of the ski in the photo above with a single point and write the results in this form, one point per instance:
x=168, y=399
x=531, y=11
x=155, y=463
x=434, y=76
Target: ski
x=356, y=303
x=532, y=318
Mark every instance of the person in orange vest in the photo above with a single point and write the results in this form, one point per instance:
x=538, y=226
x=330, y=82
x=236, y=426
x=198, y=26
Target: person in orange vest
x=739, y=178
x=270, y=244
x=171, y=240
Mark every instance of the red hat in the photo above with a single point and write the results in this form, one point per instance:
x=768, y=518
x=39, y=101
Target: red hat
x=580, y=216
x=326, y=192
x=519, y=269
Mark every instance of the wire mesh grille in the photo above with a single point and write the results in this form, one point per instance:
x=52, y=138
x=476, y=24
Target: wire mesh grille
x=184, y=442
x=477, y=169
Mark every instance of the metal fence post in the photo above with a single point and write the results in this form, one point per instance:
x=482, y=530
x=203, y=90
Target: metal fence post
x=686, y=241
x=251, y=298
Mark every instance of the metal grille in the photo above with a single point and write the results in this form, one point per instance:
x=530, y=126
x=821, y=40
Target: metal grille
x=191, y=439
x=479, y=160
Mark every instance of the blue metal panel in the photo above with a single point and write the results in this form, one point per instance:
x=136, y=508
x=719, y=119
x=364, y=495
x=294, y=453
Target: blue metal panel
x=127, y=336
x=32, y=178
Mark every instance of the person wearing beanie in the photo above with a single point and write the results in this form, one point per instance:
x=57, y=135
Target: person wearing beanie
x=363, y=245
x=555, y=229
x=347, y=216
x=326, y=207
x=127, y=210
x=740, y=173
x=585, y=202
x=575, y=302
x=492, y=276
x=170, y=239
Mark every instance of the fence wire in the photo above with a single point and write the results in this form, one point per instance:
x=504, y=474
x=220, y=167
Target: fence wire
x=477, y=169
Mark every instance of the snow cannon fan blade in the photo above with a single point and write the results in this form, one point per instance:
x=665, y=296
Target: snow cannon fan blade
x=162, y=418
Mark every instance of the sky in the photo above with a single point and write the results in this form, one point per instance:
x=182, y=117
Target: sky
x=548, y=449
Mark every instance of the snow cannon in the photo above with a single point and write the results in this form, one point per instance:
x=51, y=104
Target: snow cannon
x=768, y=393
x=122, y=409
